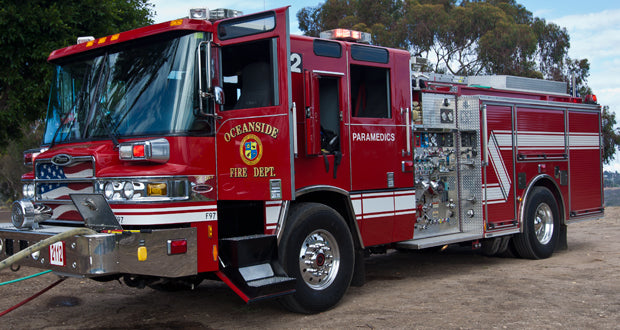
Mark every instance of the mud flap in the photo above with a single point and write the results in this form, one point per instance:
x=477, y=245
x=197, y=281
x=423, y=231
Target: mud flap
x=563, y=239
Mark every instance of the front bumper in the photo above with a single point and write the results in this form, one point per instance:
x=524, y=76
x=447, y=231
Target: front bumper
x=105, y=253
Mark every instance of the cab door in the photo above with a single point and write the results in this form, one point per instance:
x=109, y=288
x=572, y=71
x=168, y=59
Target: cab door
x=254, y=139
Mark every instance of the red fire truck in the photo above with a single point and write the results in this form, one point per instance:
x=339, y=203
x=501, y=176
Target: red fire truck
x=230, y=150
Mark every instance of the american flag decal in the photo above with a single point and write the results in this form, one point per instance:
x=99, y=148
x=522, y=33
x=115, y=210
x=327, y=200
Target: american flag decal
x=55, y=183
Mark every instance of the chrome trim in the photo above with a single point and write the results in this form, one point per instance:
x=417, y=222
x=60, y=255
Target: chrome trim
x=349, y=205
x=331, y=73
x=563, y=213
x=280, y=226
x=485, y=136
x=542, y=104
x=106, y=254
x=295, y=142
x=502, y=233
x=62, y=160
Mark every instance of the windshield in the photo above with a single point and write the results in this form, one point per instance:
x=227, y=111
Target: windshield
x=146, y=89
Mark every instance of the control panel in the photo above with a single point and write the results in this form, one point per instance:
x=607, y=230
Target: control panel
x=435, y=164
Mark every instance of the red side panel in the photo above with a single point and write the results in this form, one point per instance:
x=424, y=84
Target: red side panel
x=585, y=163
x=499, y=185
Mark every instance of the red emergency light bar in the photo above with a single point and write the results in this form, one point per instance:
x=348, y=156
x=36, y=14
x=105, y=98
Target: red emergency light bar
x=346, y=35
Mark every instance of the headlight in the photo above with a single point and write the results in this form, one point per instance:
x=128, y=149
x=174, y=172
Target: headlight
x=128, y=190
x=108, y=190
x=28, y=190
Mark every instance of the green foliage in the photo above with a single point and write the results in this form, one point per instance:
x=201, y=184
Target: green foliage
x=611, y=135
x=11, y=161
x=31, y=30
x=465, y=37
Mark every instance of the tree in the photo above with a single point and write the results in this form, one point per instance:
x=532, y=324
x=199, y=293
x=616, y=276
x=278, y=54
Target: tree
x=31, y=30
x=461, y=37
x=611, y=135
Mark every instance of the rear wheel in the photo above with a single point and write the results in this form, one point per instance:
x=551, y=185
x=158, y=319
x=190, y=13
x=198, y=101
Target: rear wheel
x=317, y=249
x=541, y=224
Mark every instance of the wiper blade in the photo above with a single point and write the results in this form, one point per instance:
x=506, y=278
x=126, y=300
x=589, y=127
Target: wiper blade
x=96, y=106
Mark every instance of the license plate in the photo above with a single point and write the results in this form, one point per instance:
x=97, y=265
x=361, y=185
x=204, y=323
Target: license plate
x=57, y=254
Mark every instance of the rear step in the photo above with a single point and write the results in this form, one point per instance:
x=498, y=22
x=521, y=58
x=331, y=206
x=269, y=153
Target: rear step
x=251, y=267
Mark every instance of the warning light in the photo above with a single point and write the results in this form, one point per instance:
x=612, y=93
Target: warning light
x=157, y=189
x=177, y=246
x=142, y=253
x=347, y=35
x=138, y=151
x=157, y=150
x=591, y=99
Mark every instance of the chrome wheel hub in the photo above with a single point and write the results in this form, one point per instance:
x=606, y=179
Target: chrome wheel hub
x=543, y=223
x=319, y=259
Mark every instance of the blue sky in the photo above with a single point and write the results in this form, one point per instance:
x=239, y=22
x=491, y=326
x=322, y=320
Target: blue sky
x=593, y=25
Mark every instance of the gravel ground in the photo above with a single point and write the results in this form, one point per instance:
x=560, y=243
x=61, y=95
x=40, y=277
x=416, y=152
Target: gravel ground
x=456, y=288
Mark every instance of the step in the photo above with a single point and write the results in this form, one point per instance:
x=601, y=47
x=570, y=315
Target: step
x=251, y=267
x=422, y=243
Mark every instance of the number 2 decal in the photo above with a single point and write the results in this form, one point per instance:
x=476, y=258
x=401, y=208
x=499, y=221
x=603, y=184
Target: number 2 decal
x=296, y=63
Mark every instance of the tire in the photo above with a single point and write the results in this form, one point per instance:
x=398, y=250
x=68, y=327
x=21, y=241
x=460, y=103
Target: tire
x=316, y=237
x=541, y=226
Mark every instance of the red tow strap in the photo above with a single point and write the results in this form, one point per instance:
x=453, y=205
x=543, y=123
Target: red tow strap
x=31, y=298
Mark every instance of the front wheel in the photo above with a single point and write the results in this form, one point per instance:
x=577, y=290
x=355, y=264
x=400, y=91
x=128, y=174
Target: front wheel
x=541, y=224
x=317, y=249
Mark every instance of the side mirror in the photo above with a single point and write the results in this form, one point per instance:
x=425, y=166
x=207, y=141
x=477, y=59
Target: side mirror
x=218, y=95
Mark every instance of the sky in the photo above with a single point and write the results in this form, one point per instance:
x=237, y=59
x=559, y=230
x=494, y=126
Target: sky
x=593, y=26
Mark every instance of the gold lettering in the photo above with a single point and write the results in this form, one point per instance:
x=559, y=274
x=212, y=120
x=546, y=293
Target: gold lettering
x=227, y=137
x=238, y=172
x=268, y=130
x=264, y=172
x=245, y=129
x=251, y=126
x=275, y=133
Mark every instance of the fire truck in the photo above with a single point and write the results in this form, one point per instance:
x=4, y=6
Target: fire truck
x=221, y=147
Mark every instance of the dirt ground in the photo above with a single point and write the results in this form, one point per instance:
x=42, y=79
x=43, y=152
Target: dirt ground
x=457, y=288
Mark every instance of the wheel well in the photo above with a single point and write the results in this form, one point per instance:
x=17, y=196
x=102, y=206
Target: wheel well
x=553, y=187
x=337, y=201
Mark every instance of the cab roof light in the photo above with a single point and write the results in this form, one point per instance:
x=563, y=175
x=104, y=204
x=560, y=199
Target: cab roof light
x=157, y=151
x=347, y=35
x=213, y=15
x=591, y=99
x=81, y=40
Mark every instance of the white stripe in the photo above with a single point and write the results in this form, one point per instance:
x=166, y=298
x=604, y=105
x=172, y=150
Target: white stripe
x=62, y=209
x=357, y=206
x=61, y=191
x=166, y=209
x=499, y=166
x=373, y=195
x=404, y=202
x=504, y=140
x=405, y=212
x=494, y=193
x=375, y=205
x=87, y=173
x=272, y=213
x=381, y=215
x=584, y=141
x=156, y=219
